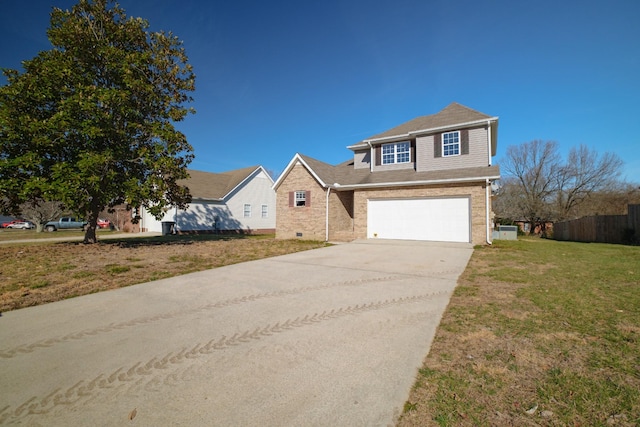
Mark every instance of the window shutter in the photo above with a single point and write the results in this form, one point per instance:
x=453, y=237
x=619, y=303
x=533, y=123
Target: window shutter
x=437, y=145
x=378, y=150
x=308, y=198
x=464, y=141
x=413, y=150
x=292, y=196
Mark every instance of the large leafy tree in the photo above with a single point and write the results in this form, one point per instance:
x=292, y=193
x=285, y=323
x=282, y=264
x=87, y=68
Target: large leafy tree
x=90, y=123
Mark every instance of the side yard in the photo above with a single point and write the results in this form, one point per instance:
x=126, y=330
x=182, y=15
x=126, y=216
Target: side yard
x=538, y=332
x=38, y=273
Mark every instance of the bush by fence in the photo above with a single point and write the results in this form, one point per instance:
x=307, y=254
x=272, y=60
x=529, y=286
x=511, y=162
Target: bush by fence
x=602, y=229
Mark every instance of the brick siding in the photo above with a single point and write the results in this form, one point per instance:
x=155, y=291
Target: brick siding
x=309, y=221
x=348, y=209
x=475, y=192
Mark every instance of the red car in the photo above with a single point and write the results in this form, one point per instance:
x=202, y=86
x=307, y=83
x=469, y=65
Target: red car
x=104, y=223
x=8, y=223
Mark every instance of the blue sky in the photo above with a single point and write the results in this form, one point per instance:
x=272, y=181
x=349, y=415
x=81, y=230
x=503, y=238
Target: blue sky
x=280, y=77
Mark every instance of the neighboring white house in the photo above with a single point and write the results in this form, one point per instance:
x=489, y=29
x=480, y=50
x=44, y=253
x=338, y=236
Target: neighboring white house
x=241, y=200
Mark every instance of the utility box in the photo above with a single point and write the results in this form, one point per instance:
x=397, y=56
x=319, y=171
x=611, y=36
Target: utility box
x=507, y=232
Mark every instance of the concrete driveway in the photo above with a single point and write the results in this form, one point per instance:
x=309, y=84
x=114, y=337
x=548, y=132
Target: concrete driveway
x=332, y=336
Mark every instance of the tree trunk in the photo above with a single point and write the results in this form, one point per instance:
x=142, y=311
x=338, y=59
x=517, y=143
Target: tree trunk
x=91, y=227
x=90, y=234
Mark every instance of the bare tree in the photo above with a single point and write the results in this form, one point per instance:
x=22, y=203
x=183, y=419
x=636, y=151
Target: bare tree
x=534, y=167
x=539, y=187
x=40, y=211
x=584, y=174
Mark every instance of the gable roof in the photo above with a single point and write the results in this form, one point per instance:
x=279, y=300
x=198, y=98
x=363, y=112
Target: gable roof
x=217, y=186
x=323, y=174
x=452, y=116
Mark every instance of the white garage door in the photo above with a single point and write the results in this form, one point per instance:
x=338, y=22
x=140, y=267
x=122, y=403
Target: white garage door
x=440, y=220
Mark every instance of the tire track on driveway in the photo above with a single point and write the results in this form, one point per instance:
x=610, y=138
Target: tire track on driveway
x=50, y=342
x=149, y=374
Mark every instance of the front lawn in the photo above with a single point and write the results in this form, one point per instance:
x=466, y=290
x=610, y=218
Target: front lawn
x=42, y=272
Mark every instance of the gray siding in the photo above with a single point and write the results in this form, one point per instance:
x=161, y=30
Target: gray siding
x=478, y=154
x=362, y=159
x=393, y=167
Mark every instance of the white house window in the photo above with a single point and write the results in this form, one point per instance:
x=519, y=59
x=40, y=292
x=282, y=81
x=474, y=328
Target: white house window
x=247, y=210
x=301, y=198
x=451, y=143
x=265, y=211
x=398, y=152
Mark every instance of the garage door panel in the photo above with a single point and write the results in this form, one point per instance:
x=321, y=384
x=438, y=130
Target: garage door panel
x=442, y=219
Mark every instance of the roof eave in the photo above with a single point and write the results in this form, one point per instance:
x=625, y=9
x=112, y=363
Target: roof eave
x=207, y=199
x=292, y=163
x=248, y=177
x=421, y=182
x=366, y=142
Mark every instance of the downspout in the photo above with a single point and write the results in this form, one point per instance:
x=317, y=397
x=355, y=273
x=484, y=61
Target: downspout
x=487, y=202
x=489, y=140
x=326, y=237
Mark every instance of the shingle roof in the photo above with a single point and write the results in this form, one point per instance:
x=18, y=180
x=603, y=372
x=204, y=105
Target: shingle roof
x=215, y=186
x=346, y=176
x=452, y=115
x=324, y=171
x=363, y=177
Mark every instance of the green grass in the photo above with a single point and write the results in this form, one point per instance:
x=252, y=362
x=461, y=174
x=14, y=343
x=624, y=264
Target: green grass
x=84, y=275
x=116, y=269
x=537, y=322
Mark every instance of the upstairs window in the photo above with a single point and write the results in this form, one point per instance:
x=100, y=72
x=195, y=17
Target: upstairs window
x=399, y=152
x=451, y=143
x=265, y=211
x=247, y=211
x=301, y=198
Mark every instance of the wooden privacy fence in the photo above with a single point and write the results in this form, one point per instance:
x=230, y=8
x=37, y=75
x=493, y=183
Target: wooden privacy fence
x=602, y=228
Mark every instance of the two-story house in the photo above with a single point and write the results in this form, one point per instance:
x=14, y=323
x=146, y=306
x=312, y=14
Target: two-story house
x=427, y=179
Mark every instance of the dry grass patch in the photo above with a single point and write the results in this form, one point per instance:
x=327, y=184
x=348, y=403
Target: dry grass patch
x=537, y=332
x=34, y=274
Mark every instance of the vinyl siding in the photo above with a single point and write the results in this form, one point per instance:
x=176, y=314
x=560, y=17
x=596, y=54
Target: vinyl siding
x=362, y=159
x=478, y=154
x=256, y=192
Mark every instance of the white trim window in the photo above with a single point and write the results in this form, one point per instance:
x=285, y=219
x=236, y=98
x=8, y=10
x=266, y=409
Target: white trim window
x=397, y=152
x=451, y=143
x=301, y=198
x=265, y=211
x=247, y=210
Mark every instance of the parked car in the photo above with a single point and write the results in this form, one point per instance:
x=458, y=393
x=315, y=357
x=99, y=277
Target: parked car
x=13, y=221
x=25, y=225
x=104, y=223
